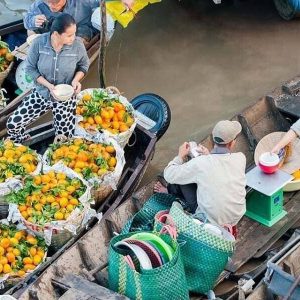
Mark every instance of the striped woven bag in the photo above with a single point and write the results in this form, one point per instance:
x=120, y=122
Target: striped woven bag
x=204, y=254
x=162, y=283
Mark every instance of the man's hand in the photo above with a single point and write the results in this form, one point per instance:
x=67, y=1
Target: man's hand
x=128, y=3
x=202, y=150
x=76, y=86
x=184, y=150
x=39, y=20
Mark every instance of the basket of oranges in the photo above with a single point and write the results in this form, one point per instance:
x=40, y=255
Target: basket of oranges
x=105, y=111
x=20, y=253
x=51, y=204
x=99, y=162
x=6, y=61
x=16, y=161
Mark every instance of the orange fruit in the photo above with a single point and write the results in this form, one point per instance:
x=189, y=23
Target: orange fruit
x=98, y=119
x=55, y=204
x=121, y=115
x=18, y=236
x=115, y=125
x=1, y=250
x=86, y=97
x=21, y=273
x=9, y=249
x=29, y=267
x=1, y=268
x=110, y=149
x=46, y=178
x=16, y=252
x=32, y=251
x=40, y=253
x=59, y=215
x=22, y=208
x=3, y=260
x=74, y=201
x=5, y=243
x=63, y=202
x=104, y=114
x=38, y=207
x=76, y=142
x=32, y=240
x=14, y=241
x=123, y=128
x=27, y=260
x=112, y=161
x=10, y=257
x=71, y=189
x=7, y=269
x=90, y=120
x=37, y=260
x=70, y=207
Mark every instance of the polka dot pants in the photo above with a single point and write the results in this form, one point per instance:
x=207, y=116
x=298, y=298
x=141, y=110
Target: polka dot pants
x=32, y=107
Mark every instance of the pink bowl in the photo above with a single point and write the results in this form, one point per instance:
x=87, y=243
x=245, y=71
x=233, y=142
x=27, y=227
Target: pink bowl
x=269, y=162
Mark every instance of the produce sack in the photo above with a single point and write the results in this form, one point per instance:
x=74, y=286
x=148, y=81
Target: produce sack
x=99, y=160
x=16, y=162
x=6, y=61
x=104, y=111
x=21, y=253
x=53, y=205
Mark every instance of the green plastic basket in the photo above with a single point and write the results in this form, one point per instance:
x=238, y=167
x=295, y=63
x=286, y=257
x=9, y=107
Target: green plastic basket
x=163, y=283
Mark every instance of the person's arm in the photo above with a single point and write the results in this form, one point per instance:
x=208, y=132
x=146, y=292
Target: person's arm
x=179, y=172
x=34, y=18
x=32, y=66
x=288, y=137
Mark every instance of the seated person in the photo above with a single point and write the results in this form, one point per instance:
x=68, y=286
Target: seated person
x=293, y=133
x=41, y=14
x=213, y=183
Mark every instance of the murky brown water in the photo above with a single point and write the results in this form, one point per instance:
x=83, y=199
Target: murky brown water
x=207, y=61
x=12, y=10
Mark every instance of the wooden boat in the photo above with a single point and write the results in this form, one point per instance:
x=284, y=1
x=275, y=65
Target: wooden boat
x=81, y=268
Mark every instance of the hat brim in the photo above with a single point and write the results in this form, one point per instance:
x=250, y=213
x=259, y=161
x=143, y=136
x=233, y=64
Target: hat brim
x=268, y=142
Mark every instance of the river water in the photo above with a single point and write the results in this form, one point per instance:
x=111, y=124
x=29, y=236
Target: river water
x=12, y=10
x=208, y=61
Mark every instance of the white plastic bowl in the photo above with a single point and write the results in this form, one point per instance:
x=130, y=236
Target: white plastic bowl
x=63, y=92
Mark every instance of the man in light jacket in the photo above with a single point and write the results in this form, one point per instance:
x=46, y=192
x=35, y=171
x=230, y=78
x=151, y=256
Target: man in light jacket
x=212, y=183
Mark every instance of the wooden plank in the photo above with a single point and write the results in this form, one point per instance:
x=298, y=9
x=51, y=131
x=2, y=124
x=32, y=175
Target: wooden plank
x=252, y=236
x=289, y=105
x=72, y=294
x=89, y=288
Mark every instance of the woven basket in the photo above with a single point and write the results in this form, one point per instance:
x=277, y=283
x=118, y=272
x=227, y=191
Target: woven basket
x=4, y=74
x=59, y=239
x=204, y=254
x=165, y=282
x=100, y=194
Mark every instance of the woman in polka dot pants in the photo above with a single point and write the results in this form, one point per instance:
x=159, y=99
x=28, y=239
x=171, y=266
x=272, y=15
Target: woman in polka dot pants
x=53, y=58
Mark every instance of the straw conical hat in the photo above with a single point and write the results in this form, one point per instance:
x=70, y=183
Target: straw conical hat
x=268, y=142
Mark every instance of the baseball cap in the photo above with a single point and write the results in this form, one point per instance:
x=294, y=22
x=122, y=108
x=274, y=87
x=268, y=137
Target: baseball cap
x=226, y=131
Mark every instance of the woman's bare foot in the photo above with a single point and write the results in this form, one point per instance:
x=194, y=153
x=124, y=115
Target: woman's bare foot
x=159, y=188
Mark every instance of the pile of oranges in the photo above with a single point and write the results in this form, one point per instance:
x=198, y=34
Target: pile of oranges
x=48, y=197
x=86, y=158
x=19, y=251
x=101, y=112
x=16, y=160
x=5, y=56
